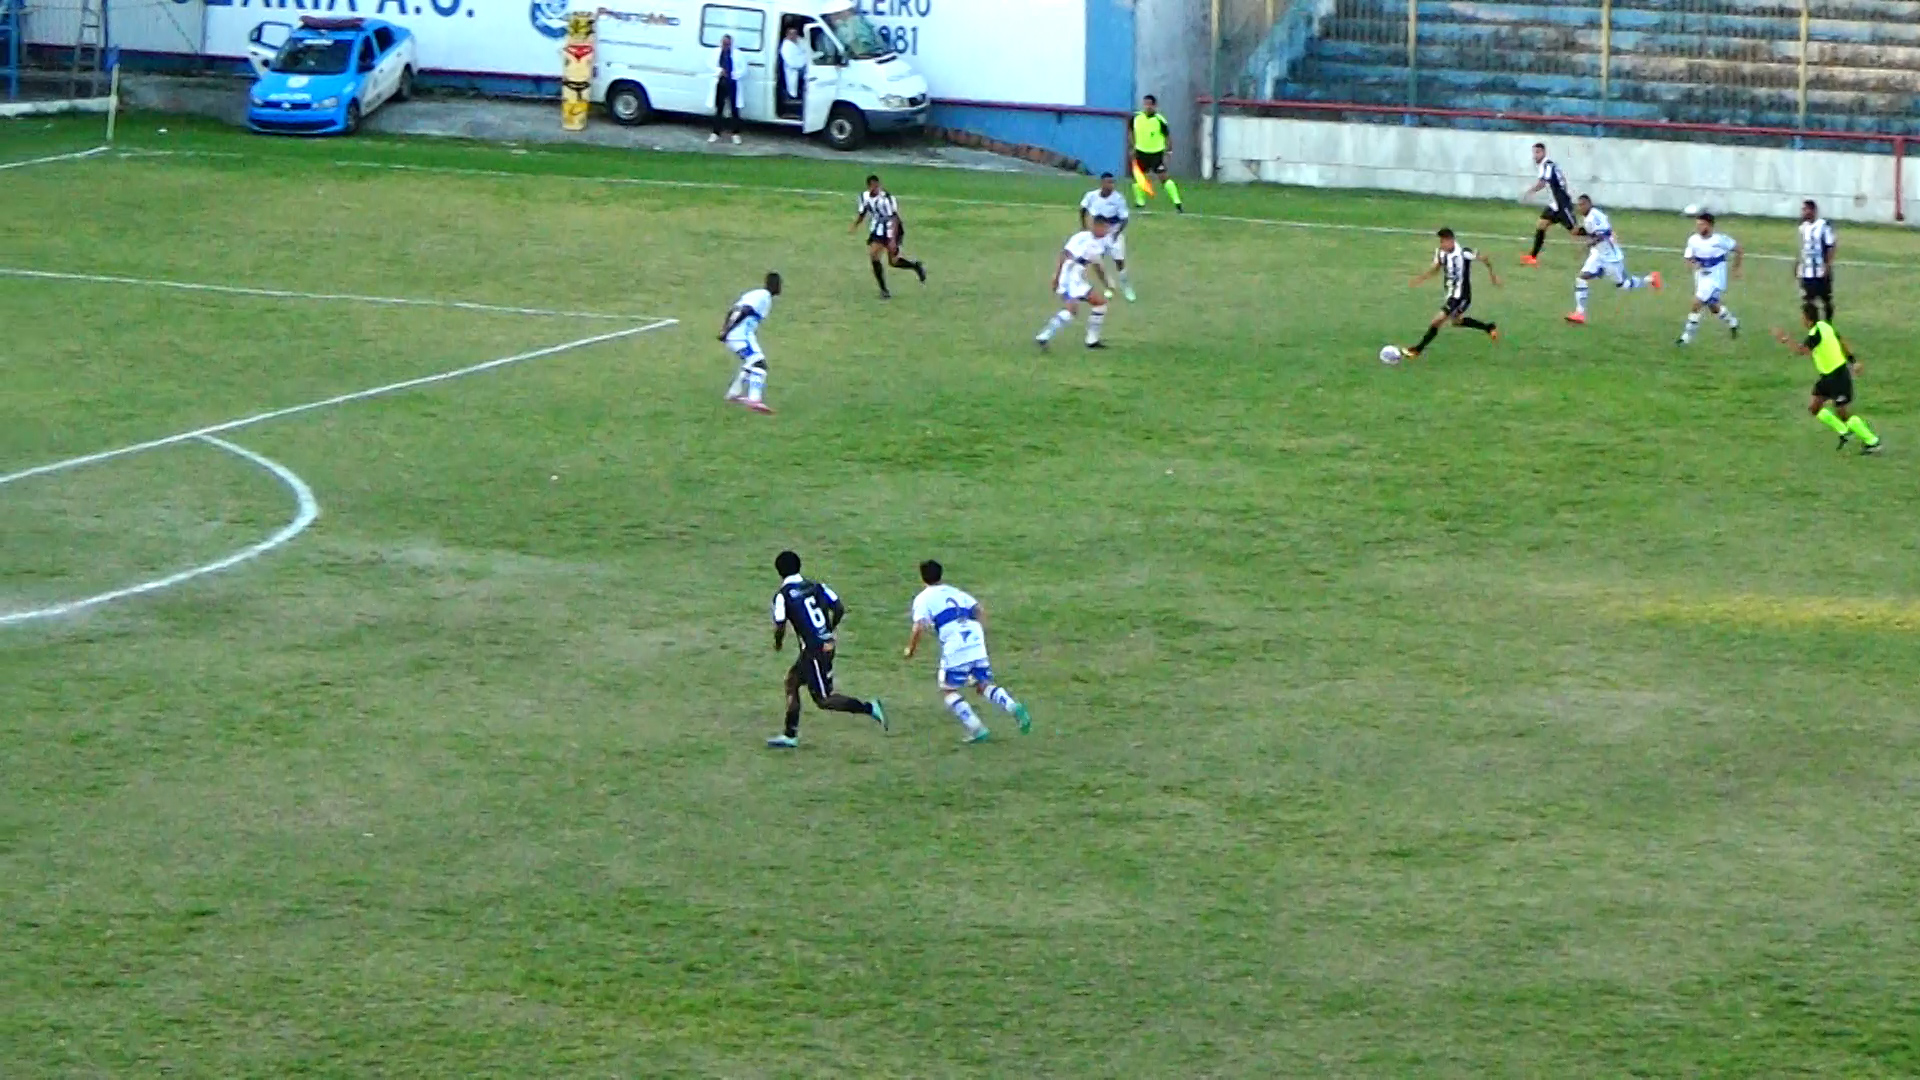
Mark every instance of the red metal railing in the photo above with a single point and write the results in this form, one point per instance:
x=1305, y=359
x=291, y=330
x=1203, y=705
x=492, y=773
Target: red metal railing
x=1896, y=143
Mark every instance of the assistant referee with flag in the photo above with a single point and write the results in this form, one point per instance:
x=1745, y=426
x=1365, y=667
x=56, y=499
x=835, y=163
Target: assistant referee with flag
x=1148, y=140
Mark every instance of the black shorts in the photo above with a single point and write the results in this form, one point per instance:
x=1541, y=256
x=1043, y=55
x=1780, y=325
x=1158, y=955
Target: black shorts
x=1456, y=306
x=1559, y=215
x=1151, y=161
x=1816, y=288
x=815, y=672
x=890, y=236
x=1836, y=386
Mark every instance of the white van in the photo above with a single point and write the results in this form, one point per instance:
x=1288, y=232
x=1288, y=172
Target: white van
x=661, y=55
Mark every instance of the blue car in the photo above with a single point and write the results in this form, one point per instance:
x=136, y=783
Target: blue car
x=326, y=75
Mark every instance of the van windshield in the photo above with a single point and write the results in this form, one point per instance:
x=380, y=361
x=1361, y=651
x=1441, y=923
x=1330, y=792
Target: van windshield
x=314, y=56
x=862, y=41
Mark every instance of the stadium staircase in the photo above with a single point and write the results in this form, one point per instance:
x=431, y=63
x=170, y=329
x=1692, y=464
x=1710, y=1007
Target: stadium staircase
x=1693, y=61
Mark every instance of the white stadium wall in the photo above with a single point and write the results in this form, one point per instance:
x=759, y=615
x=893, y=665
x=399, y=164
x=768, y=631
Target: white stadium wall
x=1641, y=174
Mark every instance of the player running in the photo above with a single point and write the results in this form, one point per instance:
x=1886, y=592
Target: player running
x=1708, y=251
x=1832, y=399
x=741, y=333
x=1817, y=246
x=1455, y=264
x=1604, y=259
x=961, y=625
x=814, y=612
x=1078, y=259
x=1559, y=208
x=1110, y=206
x=885, y=232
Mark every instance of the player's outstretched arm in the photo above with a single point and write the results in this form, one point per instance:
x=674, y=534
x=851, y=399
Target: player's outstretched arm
x=1530, y=192
x=1059, y=264
x=857, y=219
x=1488, y=263
x=1426, y=275
x=913, y=639
x=779, y=635
x=1739, y=260
x=1800, y=347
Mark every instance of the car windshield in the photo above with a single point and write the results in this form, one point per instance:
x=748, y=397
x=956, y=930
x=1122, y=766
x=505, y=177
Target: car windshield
x=862, y=41
x=314, y=56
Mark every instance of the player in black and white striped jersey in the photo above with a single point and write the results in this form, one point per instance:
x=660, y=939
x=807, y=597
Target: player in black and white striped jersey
x=1455, y=265
x=885, y=231
x=1559, y=209
x=1817, y=245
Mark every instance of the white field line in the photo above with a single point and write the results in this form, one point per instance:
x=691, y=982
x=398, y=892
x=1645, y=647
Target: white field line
x=308, y=510
x=51, y=158
x=337, y=399
x=289, y=294
x=819, y=193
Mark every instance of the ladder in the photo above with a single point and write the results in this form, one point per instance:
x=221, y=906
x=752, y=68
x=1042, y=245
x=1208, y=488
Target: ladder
x=89, y=50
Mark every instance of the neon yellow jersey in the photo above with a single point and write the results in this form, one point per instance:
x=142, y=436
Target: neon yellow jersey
x=1829, y=355
x=1149, y=133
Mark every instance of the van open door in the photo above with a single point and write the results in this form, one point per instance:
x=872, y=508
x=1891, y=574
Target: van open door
x=823, y=79
x=264, y=42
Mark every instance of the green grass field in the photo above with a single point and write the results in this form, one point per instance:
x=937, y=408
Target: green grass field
x=1541, y=709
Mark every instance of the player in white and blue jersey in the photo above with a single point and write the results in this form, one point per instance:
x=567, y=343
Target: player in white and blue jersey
x=1815, y=265
x=1083, y=255
x=1605, y=258
x=960, y=623
x=1108, y=205
x=1712, y=254
x=741, y=334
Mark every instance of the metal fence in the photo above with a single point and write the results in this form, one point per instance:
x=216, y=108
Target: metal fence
x=1844, y=65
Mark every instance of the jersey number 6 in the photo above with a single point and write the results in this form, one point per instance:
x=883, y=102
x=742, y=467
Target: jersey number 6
x=814, y=615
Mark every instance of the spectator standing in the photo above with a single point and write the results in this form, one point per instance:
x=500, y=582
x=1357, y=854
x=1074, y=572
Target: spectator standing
x=794, y=58
x=726, y=91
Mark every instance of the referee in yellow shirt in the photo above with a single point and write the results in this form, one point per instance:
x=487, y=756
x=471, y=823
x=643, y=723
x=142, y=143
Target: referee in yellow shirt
x=1833, y=393
x=1148, y=140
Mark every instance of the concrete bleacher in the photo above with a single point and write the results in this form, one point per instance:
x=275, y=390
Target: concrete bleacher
x=1689, y=61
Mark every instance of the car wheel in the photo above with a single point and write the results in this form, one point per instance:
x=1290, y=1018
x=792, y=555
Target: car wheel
x=353, y=118
x=846, y=128
x=404, y=91
x=627, y=103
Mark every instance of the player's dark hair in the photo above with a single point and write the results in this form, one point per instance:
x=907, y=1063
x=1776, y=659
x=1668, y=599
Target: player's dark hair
x=873, y=179
x=1539, y=146
x=1810, y=313
x=1445, y=234
x=930, y=572
x=1811, y=205
x=1106, y=176
x=1584, y=195
x=1151, y=99
x=786, y=564
x=1704, y=216
x=773, y=282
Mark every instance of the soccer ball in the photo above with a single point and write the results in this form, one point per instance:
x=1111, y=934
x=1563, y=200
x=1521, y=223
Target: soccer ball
x=1390, y=354
x=1692, y=210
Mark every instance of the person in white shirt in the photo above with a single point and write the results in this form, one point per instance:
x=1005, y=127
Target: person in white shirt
x=960, y=623
x=1080, y=258
x=741, y=334
x=1110, y=206
x=1708, y=251
x=1604, y=258
x=1815, y=268
x=794, y=58
x=726, y=89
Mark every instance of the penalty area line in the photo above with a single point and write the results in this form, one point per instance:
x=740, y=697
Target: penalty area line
x=291, y=294
x=307, y=510
x=819, y=193
x=51, y=158
x=337, y=399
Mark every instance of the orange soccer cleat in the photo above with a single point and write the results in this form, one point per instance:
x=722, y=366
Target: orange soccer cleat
x=1653, y=279
x=1530, y=260
x=1579, y=317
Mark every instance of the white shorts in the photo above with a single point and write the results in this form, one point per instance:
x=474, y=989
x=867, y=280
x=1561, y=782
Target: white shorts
x=747, y=349
x=1708, y=289
x=1600, y=265
x=1075, y=288
x=1117, y=244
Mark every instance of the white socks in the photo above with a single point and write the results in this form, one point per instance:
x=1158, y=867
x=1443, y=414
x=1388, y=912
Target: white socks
x=1094, y=319
x=1693, y=326
x=1060, y=319
x=1726, y=316
x=1580, y=294
x=959, y=707
x=749, y=383
x=999, y=696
